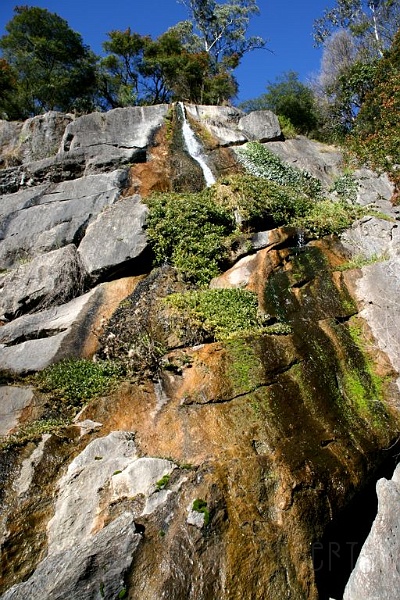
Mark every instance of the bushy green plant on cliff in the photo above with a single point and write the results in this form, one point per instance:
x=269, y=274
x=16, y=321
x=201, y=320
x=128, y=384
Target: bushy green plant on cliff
x=260, y=161
x=189, y=231
x=79, y=379
x=256, y=199
x=219, y=312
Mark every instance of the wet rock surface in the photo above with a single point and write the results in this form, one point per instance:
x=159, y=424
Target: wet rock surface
x=213, y=467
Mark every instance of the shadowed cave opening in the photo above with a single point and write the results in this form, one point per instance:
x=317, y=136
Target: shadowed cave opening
x=336, y=554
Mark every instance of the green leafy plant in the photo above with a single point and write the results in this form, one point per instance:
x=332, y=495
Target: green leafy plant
x=260, y=161
x=200, y=506
x=220, y=313
x=79, y=379
x=161, y=483
x=346, y=187
x=31, y=431
x=189, y=231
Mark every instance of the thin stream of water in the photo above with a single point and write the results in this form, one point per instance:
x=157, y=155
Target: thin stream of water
x=194, y=149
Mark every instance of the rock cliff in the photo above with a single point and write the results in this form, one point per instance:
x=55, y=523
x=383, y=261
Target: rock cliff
x=182, y=462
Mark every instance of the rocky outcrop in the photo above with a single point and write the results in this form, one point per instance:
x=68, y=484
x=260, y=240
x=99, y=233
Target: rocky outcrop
x=376, y=574
x=213, y=467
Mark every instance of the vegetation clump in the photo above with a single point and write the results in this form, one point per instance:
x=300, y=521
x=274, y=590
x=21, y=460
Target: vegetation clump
x=75, y=380
x=200, y=506
x=219, y=313
x=189, y=230
x=260, y=161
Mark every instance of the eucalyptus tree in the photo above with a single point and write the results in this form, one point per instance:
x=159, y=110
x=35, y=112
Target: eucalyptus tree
x=372, y=23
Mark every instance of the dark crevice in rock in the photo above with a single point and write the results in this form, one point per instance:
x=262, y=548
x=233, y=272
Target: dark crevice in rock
x=272, y=381
x=335, y=555
x=81, y=231
x=35, y=335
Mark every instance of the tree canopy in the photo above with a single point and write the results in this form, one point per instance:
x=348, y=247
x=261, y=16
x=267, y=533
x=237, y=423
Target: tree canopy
x=49, y=66
x=288, y=98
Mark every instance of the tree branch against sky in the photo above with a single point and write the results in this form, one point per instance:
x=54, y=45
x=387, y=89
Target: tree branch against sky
x=372, y=23
x=221, y=28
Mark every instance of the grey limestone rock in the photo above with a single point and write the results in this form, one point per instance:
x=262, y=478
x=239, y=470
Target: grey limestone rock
x=115, y=238
x=86, y=559
x=221, y=121
x=46, y=217
x=49, y=279
x=376, y=575
x=117, y=137
x=13, y=399
x=95, y=568
x=261, y=125
x=32, y=342
x=320, y=160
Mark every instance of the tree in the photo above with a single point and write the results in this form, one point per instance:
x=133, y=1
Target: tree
x=140, y=70
x=375, y=137
x=54, y=70
x=120, y=70
x=221, y=28
x=288, y=98
x=372, y=23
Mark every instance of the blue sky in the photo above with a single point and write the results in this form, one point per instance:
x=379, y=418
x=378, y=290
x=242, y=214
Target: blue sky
x=285, y=24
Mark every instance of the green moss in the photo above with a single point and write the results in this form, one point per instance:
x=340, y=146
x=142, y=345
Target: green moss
x=244, y=367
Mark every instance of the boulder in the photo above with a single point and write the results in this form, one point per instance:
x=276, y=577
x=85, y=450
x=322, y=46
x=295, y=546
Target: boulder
x=49, y=279
x=376, y=574
x=115, y=238
x=120, y=136
x=221, y=121
x=32, y=342
x=44, y=218
x=320, y=160
x=88, y=556
x=261, y=125
x=371, y=237
x=95, y=568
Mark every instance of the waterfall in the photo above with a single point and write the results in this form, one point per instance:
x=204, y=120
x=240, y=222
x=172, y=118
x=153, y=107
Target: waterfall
x=194, y=149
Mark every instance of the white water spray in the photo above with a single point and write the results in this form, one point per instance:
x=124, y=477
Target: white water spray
x=194, y=149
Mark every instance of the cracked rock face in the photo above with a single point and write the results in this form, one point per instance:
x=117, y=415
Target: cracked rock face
x=269, y=433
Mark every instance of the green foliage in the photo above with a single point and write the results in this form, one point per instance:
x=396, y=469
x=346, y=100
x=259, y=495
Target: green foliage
x=160, y=485
x=261, y=162
x=375, y=138
x=31, y=431
x=290, y=99
x=51, y=67
x=360, y=261
x=219, y=312
x=220, y=29
x=79, y=379
x=189, y=230
x=346, y=187
x=200, y=506
x=326, y=217
x=257, y=199
x=372, y=24
x=287, y=127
